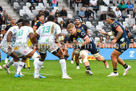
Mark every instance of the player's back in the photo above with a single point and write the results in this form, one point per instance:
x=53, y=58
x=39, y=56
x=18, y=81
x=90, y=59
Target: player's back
x=14, y=30
x=47, y=32
x=23, y=35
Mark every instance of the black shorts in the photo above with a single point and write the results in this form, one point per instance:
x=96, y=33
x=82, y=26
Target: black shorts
x=91, y=47
x=121, y=47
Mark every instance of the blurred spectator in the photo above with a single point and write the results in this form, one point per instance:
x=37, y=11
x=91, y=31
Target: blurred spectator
x=118, y=13
x=72, y=4
x=63, y=12
x=129, y=6
x=78, y=1
x=134, y=13
x=101, y=40
x=33, y=21
x=129, y=35
x=122, y=6
x=32, y=7
x=111, y=10
x=54, y=3
x=108, y=40
x=57, y=14
x=5, y=15
x=85, y=3
x=68, y=21
x=93, y=3
x=51, y=13
x=46, y=12
x=39, y=1
x=103, y=16
x=89, y=13
x=31, y=1
x=101, y=2
x=81, y=13
x=131, y=21
x=124, y=14
x=8, y=19
x=1, y=9
x=40, y=12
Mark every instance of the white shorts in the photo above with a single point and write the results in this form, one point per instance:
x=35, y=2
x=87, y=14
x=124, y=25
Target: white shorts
x=21, y=51
x=50, y=47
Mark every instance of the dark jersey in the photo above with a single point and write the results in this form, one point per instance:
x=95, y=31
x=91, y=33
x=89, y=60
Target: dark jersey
x=124, y=37
x=7, y=27
x=38, y=24
x=83, y=27
x=123, y=41
x=90, y=46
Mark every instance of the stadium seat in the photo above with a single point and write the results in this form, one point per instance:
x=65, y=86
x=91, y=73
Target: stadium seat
x=16, y=5
x=35, y=12
x=28, y=4
x=42, y=7
x=70, y=16
x=21, y=12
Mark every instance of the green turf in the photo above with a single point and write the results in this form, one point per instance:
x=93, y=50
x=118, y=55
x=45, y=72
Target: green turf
x=80, y=81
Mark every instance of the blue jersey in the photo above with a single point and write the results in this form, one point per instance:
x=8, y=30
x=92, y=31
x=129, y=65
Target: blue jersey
x=124, y=37
x=38, y=24
x=90, y=46
x=83, y=27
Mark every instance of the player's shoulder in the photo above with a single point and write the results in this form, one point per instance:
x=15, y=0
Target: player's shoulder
x=115, y=24
x=79, y=30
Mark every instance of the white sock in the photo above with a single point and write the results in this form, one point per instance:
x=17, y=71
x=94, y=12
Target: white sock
x=37, y=65
x=6, y=60
x=10, y=62
x=16, y=65
x=20, y=66
x=63, y=66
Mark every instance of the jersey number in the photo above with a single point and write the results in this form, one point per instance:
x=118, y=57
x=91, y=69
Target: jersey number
x=46, y=29
x=20, y=33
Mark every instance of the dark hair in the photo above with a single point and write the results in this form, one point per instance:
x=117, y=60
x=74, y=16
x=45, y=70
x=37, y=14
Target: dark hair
x=41, y=15
x=25, y=22
x=111, y=15
x=19, y=21
x=51, y=18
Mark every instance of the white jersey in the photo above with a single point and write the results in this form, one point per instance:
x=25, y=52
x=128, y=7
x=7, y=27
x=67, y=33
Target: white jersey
x=47, y=32
x=14, y=30
x=23, y=35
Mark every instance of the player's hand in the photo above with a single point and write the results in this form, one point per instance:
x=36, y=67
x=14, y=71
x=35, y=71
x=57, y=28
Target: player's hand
x=114, y=41
x=102, y=32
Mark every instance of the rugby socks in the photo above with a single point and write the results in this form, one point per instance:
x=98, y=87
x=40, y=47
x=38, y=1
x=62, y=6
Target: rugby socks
x=104, y=61
x=125, y=65
x=37, y=65
x=88, y=68
x=63, y=66
x=10, y=63
x=115, y=71
x=16, y=65
x=77, y=64
x=20, y=66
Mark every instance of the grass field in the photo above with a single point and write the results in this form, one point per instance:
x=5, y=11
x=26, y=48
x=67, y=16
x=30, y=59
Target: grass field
x=80, y=81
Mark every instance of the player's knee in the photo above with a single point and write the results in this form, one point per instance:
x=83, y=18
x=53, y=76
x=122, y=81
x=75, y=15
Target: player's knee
x=35, y=55
x=99, y=58
x=83, y=55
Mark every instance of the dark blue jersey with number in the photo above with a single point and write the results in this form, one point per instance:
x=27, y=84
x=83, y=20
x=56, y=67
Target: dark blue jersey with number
x=124, y=37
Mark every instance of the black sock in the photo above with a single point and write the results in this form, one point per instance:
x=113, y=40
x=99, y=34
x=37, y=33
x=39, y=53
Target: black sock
x=88, y=68
x=77, y=64
x=125, y=65
x=71, y=58
x=7, y=66
x=104, y=61
x=115, y=70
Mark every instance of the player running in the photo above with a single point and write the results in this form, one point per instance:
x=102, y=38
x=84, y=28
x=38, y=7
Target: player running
x=122, y=44
x=87, y=46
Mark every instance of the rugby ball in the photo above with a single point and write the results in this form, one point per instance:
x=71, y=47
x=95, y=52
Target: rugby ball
x=80, y=40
